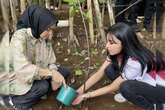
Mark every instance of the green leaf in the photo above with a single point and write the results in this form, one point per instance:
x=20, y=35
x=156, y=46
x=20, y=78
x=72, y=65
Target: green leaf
x=94, y=51
x=76, y=53
x=67, y=1
x=86, y=15
x=101, y=1
x=72, y=13
x=81, y=1
x=113, y=105
x=78, y=72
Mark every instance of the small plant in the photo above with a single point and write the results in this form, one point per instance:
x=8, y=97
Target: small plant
x=76, y=8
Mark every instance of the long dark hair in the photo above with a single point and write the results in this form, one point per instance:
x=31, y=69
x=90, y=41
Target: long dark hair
x=131, y=47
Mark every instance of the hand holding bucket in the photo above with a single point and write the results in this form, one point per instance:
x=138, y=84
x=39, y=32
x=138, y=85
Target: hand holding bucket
x=66, y=95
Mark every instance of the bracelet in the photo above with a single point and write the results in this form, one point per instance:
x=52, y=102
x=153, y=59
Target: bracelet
x=89, y=94
x=86, y=96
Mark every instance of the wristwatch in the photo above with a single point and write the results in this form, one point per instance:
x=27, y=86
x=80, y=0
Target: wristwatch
x=50, y=74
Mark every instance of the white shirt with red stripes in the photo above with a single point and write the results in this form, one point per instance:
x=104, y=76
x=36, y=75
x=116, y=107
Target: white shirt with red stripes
x=133, y=71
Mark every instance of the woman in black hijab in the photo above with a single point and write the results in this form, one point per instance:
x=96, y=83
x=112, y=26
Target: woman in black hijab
x=33, y=59
x=37, y=18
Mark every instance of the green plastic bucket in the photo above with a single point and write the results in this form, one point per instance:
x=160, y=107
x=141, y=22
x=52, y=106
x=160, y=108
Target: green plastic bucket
x=67, y=95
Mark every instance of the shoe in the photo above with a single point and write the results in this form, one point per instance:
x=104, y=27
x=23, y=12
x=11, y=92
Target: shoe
x=119, y=98
x=44, y=97
x=4, y=102
x=15, y=108
x=164, y=106
x=159, y=106
x=148, y=27
x=135, y=28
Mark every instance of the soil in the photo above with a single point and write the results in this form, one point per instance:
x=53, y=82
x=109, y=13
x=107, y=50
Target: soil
x=66, y=56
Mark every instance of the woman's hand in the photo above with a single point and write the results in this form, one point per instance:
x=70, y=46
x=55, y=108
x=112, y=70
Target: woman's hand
x=58, y=78
x=80, y=91
x=78, y=99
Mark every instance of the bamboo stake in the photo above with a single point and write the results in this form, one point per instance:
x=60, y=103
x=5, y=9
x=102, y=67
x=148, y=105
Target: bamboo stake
x=13, y=14
x=23, y=5
x=29, y=2
x=154, y=25
x=60, y=4
x=5, y=13
x=83, y=5
x=99, y=20
x=71, y=19
x=163, y=27
x=103, y=10
x=128, y=7
x=48, y=4
x=55, y=4
x=91, y=31
x=43, y=3
x=111, y=13
x=89, y=61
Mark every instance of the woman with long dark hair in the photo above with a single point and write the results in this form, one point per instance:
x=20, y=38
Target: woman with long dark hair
x=133, y=69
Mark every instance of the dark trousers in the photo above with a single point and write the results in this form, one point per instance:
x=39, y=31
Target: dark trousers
x=149, y=9
x=139, y=93
x=39, y=88
x=143, y=94
x=133, y=11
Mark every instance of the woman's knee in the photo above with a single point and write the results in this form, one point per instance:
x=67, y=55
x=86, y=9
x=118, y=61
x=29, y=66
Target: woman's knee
x=127, y=87
x=64, y=71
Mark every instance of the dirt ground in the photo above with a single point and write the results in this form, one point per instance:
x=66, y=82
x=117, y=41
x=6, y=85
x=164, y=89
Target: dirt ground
x=73, y=57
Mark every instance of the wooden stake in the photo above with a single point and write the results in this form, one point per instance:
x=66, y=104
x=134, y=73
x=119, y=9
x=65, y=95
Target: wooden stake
x=111, y=13
x=71, y=19
x=60, y=4
x=103, y=10
x=48, y=4
x=23, y=5
x=154, y=25
x=163, y=27
x=91, y=31
x=13, y=14
x=99, y=20
x=5, y=13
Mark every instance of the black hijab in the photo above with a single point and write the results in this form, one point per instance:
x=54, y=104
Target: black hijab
x=37, y=18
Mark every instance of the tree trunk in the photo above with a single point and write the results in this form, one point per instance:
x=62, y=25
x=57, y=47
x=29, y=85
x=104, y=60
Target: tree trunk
x=13, y=13
x=5, y=13
x=29, y=2
x=111, y=13
x=55, y=3
x=103, y=10
x=23, y=5
x=16, y=3
x=71, y=20
x=91, y=31
x=83, y=5
x=48, y=4
x=99, y=20
x=60, y=4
